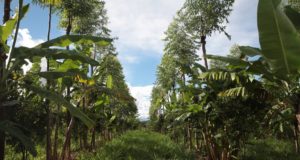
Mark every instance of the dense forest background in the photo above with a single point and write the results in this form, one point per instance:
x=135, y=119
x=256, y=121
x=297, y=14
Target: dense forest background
x=74, y=103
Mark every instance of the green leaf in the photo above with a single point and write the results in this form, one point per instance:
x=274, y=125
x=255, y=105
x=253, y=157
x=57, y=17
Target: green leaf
x=250, y=51
x=7, y=29
x=294, y=16
x=67, y=65
x=99, y=102
x=220, y=76
x=234, y=92
x=61, y=101
x=52, y=75
x=279, y=39
x=23, y=53
x=201, y=67
x=109, y=82
x=10, y=103
x=112, y=118
x=15, y=131
x=183, y=116
x=230, y=60
x=66, y=40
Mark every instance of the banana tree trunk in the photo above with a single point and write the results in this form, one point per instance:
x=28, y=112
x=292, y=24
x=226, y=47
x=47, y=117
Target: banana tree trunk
x=93, y=139
x=65, y=153
x=2, y=134
x=296, y=137
x=49, y=131
x=85, y=129
x=67, y=143
x=190, y=138
x=3, y=58
x=55, y=143
x=297, y=128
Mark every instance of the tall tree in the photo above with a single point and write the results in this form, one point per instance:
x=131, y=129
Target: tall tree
x=50, y=4
x=203, y=17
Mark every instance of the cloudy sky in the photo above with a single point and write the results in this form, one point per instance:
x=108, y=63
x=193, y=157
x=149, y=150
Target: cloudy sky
x=140, y=26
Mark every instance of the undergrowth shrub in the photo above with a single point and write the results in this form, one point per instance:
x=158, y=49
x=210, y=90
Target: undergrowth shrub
x=269, y=149
x=141, y=145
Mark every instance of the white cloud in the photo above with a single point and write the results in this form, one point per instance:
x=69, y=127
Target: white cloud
x=141, y=24
x=142, y=94
x=242, y=27
x=26, y=40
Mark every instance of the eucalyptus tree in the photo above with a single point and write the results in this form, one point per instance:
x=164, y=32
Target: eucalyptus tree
x=121, y=107
x=178, y=67
x=76, y=10
x=204, y=17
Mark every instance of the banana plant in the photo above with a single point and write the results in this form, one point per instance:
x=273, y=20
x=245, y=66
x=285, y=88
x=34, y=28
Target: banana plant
x=12, y=63
x=278, y=61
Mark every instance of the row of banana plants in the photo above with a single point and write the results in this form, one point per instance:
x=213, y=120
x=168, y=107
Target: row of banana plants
x=74, y=88
x=253, y=93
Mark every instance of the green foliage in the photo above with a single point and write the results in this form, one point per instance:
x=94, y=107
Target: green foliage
x=75, y=80
x=278, y=37
x=269, y=149
x=61, y=101
x=293, y=16
x=232, y=60
x=7, y=29
x=52, y=75
x=142, y=145
x=203, y=17
x=66, y=40
x=15, y=131
x=33, y=54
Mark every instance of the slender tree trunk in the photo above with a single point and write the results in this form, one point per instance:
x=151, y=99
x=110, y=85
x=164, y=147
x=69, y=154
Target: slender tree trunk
x=23, y=154
x=49, y=152
x=210, y=146
x=3, y=58
x=190, y=138
x=55, y=143
x=296, y=138
x=85, y=129
x=6, y=15
x=203, y=42
x=49, y=22
x=197, y=139
x=80, y=140
x=93, y=139
x=66, y=147
x=297, y=128
x=2, y=134
x=67, y=142
x=49, y=132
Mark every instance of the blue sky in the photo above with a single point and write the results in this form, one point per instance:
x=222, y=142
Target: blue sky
x=140, y=26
